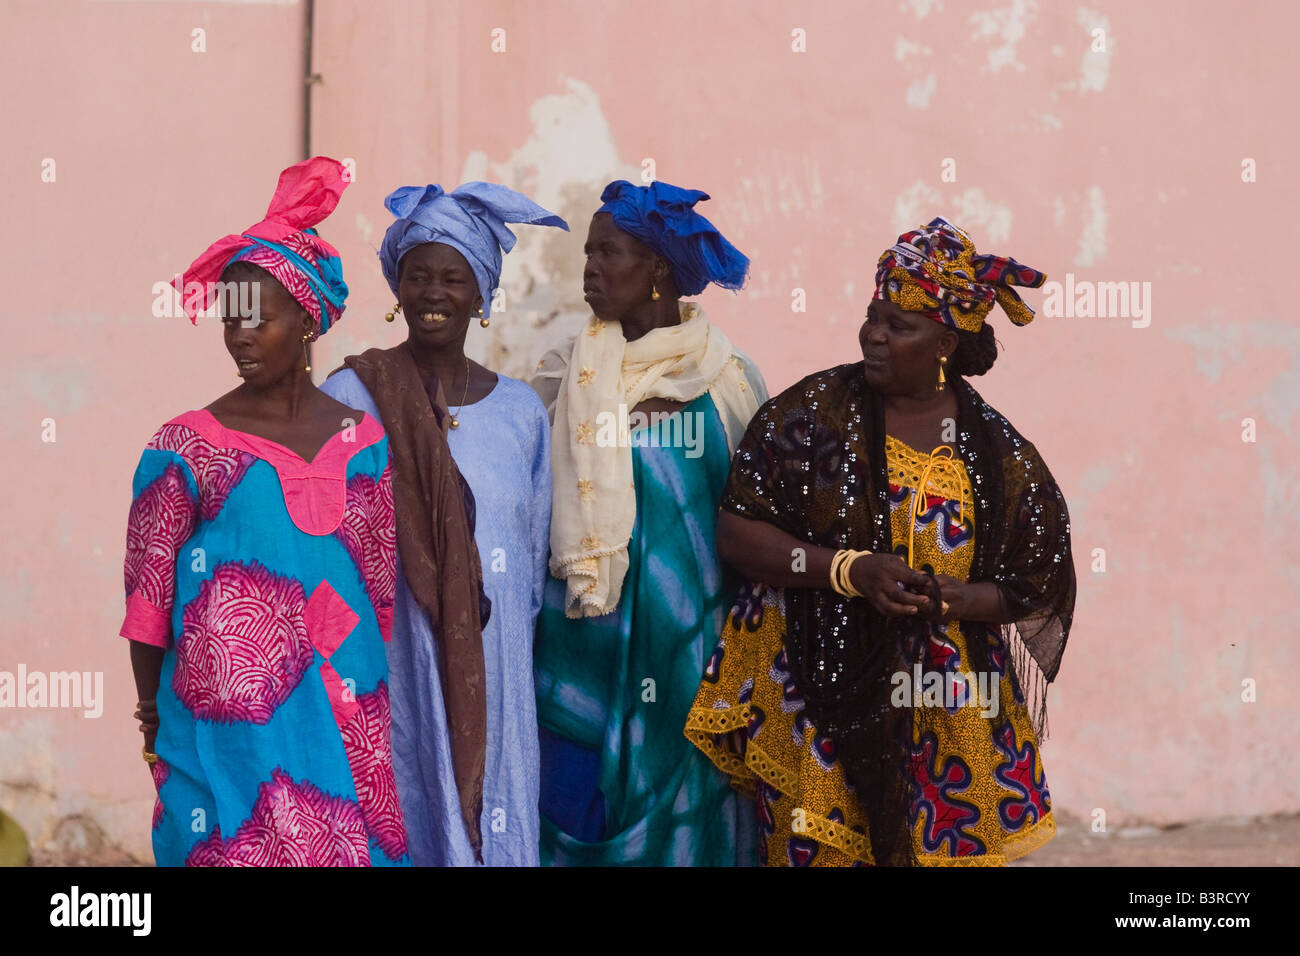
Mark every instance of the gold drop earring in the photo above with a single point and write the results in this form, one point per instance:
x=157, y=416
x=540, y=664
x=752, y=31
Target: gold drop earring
x=654, y=293
x=305, y=354
x=943, y=360
x=483, y=320
x=397, y=307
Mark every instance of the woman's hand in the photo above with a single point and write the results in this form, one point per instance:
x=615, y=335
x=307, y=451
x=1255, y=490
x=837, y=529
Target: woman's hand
x=146, y=664
x=972, y=601
x=147, y=713
x=883, y=580
x=954, y=593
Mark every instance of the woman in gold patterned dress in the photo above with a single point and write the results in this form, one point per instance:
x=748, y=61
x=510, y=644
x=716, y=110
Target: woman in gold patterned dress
x=880, y=685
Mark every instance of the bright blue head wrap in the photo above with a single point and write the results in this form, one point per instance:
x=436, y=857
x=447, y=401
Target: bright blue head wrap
x=661, y=216
x=471, y=220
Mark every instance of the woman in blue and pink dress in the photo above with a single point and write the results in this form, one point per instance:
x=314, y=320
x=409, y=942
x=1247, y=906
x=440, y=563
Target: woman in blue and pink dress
x=260, y=571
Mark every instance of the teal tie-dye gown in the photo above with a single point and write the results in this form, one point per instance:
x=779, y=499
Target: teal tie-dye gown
x=269, y=582
x=613, y=691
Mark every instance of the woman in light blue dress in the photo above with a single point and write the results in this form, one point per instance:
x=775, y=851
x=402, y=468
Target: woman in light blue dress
x=442, y=259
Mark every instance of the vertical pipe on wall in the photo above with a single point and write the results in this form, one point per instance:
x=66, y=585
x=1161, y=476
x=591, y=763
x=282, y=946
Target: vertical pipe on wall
x=309, y=80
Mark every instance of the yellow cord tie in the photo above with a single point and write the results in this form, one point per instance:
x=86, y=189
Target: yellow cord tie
x=939, y=465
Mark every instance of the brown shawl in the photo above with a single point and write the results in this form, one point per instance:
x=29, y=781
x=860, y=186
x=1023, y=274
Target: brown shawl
x=435, y=538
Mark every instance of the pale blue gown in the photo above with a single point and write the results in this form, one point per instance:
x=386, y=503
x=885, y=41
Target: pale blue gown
x=502, y=447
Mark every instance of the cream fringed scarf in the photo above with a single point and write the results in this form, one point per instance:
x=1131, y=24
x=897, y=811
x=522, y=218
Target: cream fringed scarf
x=594, y=508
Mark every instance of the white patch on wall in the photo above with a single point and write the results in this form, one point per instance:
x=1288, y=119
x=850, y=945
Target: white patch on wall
x=985, y=220
x=919, y=93
x=365, y=228
x=1213, y=344
x=1218, y=343
x=1007, y=24
x=922, y=8
x=815, y=193
x=792, y=186
x=904, y=48
x=564, y=163
x=1095, y=70
x=784, y=191
x=1058, y=212
x=1092, y=242
x=1051, y=121
x=915, y=205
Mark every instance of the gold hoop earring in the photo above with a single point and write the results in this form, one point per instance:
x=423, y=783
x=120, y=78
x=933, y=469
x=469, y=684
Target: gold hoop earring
x=654, y=293
x=397, y=307
x=943, y=360
x=483, y=320
x=305, y=354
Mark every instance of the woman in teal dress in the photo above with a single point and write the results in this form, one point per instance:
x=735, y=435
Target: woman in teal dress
x=647, y=404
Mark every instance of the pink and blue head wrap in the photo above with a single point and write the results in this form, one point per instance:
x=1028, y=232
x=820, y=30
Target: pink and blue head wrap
x=285, y=245
x=472, y=220
x=663, y=217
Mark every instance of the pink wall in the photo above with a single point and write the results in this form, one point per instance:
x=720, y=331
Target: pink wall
x=1116, y=165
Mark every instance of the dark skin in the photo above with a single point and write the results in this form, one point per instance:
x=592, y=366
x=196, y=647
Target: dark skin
x=617, y=283
x=440, y=297
x=900, y=352
x=277, y=401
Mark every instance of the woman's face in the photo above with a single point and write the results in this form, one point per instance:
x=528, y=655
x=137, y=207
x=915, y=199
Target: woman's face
x=901, y=349
x=438, y=292
x=620, y=270
x=266, y=345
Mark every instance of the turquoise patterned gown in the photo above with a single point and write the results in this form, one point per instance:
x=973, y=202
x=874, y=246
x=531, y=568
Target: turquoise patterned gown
x=621, y=784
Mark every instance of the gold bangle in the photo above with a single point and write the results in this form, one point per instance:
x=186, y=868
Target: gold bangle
x=841, y=572
x=149, y=758
x=848, y=569
x=835, y=577
x=836, y=563
x=846, y=583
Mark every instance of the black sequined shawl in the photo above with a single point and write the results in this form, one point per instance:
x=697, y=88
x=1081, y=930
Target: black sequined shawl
x=812, y=463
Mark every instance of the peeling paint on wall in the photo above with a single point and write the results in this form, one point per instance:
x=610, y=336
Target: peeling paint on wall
x=1009, y=25
x=923, y=8
x=1092, y=241
x=988, y=221
x=567, y=158
x=919, y=93
x=1094, y=70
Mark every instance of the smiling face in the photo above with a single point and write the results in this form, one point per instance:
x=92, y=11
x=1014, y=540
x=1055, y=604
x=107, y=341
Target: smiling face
x=901, y=349
x=438, y=292
x=620, y=271
x=266, y=346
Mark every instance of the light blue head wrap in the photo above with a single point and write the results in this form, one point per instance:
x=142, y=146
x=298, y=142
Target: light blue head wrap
x=472, y=220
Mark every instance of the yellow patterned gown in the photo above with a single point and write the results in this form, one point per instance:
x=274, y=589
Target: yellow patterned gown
x=980, y=798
